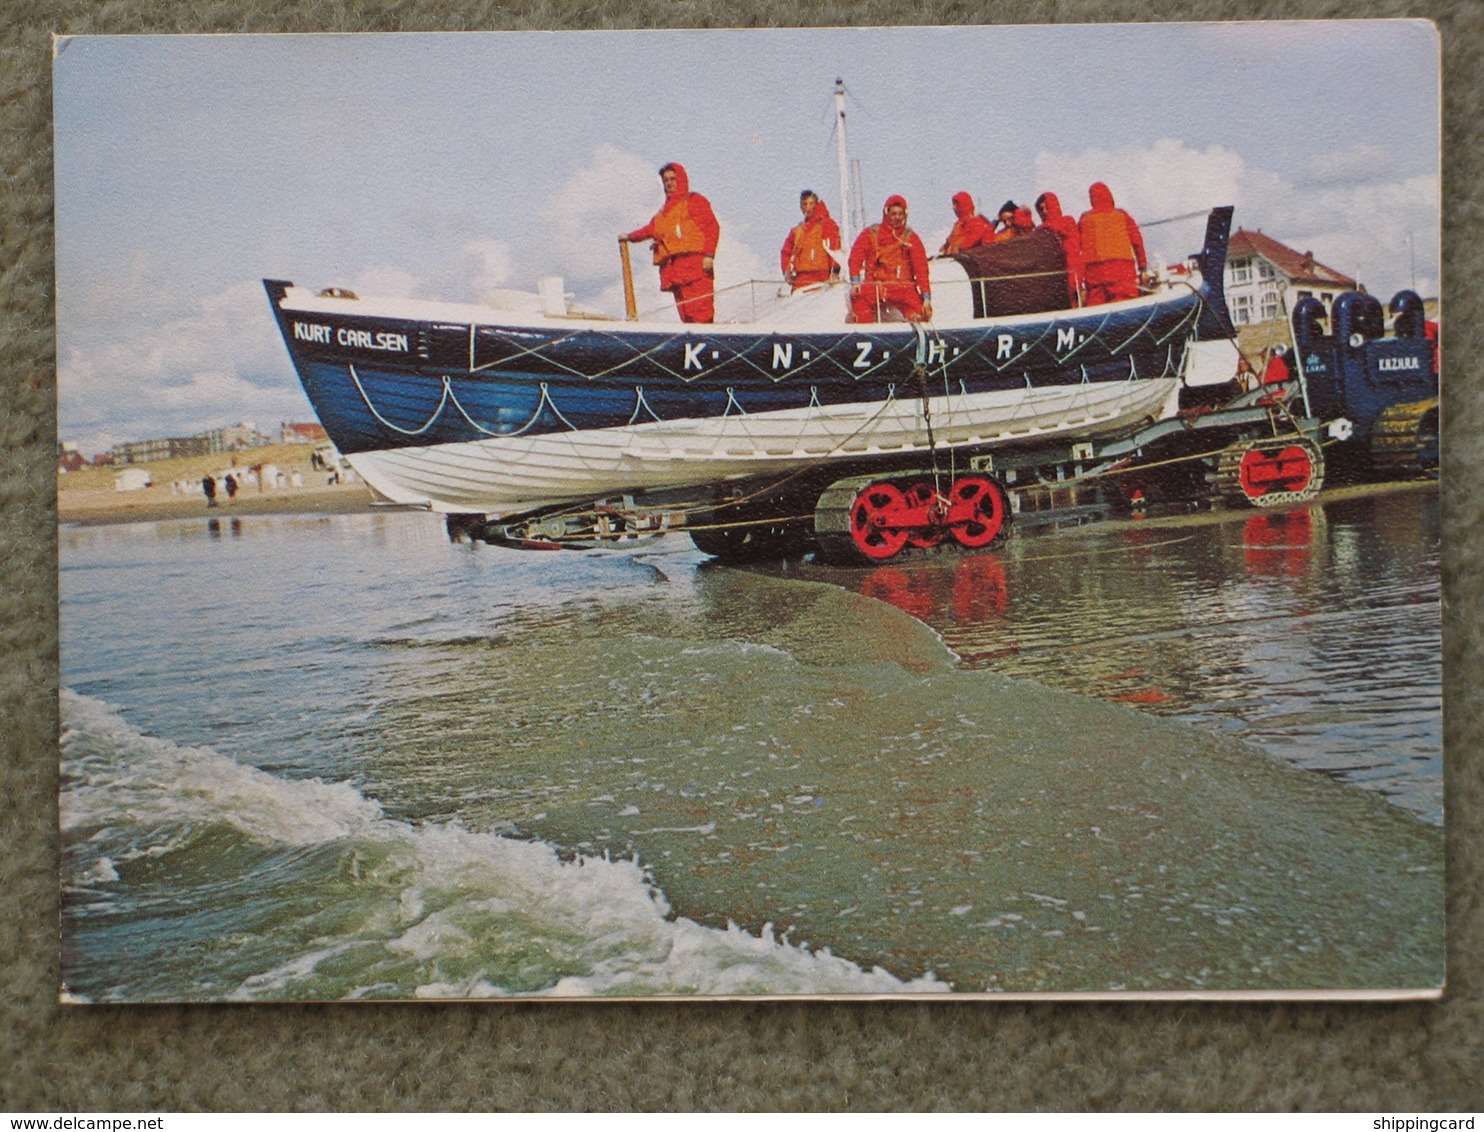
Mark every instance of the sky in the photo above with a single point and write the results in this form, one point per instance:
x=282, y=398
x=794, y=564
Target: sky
x=190, y=168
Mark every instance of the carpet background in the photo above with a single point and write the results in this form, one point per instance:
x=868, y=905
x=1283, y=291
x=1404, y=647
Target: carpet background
x=1395, y=1058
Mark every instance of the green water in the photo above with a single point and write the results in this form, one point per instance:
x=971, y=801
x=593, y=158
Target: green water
x=348, y=759
x=781, y=752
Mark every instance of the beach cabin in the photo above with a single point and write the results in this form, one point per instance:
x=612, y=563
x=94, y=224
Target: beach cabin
x=131, y=479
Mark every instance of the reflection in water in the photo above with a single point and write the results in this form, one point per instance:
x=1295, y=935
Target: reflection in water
x=975, y=592
x=1281, y=544
x=1315, y=632
x=214, y=528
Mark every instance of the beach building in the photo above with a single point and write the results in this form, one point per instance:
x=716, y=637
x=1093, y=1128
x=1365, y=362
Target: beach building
x=131, y=479
x=1265, y=278
x=69, y=459
x=234, y=438
x=302, y=434
x=162, y=448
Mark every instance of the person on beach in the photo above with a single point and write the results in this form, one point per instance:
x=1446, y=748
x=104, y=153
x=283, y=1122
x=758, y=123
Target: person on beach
x=805, y=257
x=684, y=234
x=969, y=229
x=208, y=489
x=230, y=483
x=1113, y=256
x=889, y=269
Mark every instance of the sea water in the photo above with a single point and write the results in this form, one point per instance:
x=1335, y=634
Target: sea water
x=342, y=757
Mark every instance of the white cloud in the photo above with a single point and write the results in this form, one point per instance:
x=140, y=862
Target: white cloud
x=1378, y=233
x=219, y=363
x=736, y=263
x=1360, y=229
x=489, y=264
x=616, y=191
x=1358, y=165
x=385, y=281
x=746, y=282
x=1167, y=178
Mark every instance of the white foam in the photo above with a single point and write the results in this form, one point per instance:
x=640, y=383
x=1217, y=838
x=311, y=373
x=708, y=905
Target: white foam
x=112, y=771
x=435, y=911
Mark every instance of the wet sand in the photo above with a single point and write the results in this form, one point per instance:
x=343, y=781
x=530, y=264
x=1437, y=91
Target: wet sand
x=152, y=504
x=89, y=508
x=1237, y=510
x=92, y=505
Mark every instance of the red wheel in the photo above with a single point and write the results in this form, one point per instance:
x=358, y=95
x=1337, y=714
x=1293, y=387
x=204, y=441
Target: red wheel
x=922, y=496
x=870, y=512
x=1264, y=472
x=976, y=512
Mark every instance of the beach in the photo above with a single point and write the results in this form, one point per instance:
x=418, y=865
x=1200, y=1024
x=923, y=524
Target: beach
x=154, y=504
x=89, y=498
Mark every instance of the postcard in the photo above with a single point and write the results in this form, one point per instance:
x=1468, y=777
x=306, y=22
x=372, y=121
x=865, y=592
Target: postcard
x=890, y=512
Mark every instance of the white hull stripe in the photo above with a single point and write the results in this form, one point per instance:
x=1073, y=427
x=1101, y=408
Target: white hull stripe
x=508, y=475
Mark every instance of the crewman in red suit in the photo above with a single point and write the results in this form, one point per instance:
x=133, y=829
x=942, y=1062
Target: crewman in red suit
x=1112, y=250
x=1004, y=226
x=889, y=268
x=969, y=230
x=1048, y=207
x=806, y=258
x=1276, y=372
x=684, y=234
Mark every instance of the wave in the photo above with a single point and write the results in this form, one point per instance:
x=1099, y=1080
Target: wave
x=232, y=883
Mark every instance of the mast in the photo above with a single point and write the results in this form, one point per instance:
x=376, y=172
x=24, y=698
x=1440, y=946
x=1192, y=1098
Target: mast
x=846, y=215
x=858, y=214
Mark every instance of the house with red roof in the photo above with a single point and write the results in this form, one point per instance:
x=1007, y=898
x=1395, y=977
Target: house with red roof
x=302, y=434
x=1265, y=278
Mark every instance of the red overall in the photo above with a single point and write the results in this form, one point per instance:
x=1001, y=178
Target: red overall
x=969, y=230
x=1276, y=371
x=892, y=267
x=1112, y=249
x=684, y=234
x=1065, y=228
x=804, y=256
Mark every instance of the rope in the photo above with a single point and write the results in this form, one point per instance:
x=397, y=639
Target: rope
x=1171, y=219
x=1106, y=550
x=437, y=412
x=768, y=488
x=919, y=375
x=1126, y=464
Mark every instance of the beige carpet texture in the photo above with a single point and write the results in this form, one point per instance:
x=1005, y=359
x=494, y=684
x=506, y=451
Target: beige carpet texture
x=976, y=1055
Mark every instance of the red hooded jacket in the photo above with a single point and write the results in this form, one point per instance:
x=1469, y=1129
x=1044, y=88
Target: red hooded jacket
x=970, y=230
x=683, y=231
x=1066, y=230
x=1109, y=233
x=884, y=253
x=804, y=249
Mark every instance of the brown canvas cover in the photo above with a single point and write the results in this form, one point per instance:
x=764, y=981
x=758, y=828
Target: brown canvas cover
x=1019, y=276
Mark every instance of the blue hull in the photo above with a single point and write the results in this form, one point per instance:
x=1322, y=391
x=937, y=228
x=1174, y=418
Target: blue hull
x=382, y=383
x=369, y=405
